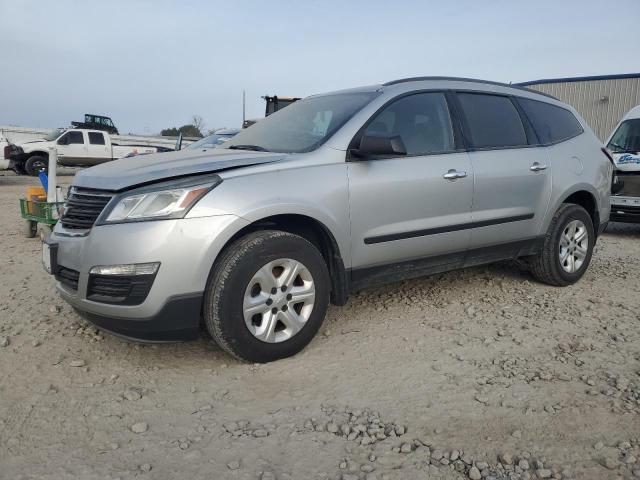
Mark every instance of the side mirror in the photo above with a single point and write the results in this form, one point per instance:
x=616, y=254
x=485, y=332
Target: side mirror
x=63, y=140
x=374, y=145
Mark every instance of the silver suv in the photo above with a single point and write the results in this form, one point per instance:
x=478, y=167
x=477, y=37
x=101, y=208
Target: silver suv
x=335, y=193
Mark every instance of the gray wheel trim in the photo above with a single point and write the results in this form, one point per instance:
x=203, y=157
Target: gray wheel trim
x=281, y=302
x=574, y=245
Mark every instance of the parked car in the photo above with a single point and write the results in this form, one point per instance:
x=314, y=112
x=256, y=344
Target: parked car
x=4, y=159
x=333, y=194
x=624, y=143
x=212, y=141
x=76, y=148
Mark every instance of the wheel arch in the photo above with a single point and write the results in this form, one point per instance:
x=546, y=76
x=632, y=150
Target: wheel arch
x=36, y=152
x=587, y=200
x=315, y=232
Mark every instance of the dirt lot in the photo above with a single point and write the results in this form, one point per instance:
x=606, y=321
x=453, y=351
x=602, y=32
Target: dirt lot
x=476, y=374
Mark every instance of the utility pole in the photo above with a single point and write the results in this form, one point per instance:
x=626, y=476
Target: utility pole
x=243, y=106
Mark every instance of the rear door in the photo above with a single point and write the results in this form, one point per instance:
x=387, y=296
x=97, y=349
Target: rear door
x=512, y=184
x=406, y=215
x=72, y=148
x=98, y=150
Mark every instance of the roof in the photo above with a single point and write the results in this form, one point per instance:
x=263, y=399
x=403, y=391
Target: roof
x=619, y=76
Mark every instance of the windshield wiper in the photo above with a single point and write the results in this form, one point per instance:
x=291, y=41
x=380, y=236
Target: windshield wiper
x=620, y=148
x=255, y=148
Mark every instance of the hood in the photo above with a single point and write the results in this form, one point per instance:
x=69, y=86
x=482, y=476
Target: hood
x=129, y=172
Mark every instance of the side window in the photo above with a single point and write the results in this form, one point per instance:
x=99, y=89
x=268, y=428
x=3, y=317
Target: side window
x=75, y=138
x=552, y=124
x=493, y=121
x=421, y=120
x=96, y=138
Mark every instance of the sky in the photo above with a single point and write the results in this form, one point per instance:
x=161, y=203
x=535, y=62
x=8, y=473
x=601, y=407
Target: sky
x=154, y=64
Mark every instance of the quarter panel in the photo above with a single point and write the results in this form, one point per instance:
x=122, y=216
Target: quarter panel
x=580, y=165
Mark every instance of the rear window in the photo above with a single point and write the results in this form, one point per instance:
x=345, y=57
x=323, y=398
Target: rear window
x=96, y=138
x=553, y=124
x=493, y=121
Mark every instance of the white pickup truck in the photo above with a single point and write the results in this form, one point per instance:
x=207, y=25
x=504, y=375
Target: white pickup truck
x=77, y=147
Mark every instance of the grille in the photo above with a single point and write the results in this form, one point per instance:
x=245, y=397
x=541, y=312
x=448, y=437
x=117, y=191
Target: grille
x=68, y=277
x=83, y=206
x=123, y=290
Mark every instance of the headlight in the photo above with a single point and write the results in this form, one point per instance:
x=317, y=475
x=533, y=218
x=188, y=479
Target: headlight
x=160, y=201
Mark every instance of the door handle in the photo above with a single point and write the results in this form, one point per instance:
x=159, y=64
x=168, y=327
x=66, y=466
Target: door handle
x=454, y=174
x=537, y=167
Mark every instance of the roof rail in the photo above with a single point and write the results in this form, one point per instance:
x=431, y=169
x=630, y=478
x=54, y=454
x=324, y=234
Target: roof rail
x=472, y=80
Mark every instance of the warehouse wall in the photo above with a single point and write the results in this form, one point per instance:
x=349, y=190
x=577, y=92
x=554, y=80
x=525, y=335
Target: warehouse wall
x=588, y=98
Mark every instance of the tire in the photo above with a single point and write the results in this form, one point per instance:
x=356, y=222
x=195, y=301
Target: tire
x=547, y=266
x=30, y=228
x=36, y=164
x=232, y=279
x=18, y=168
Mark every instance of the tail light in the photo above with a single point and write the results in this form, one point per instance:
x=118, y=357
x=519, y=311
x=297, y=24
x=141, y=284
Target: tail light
x=7, y=151
x=608, y=155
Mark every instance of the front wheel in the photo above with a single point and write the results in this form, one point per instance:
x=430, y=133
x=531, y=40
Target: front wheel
x=267, y=296
x=36, y=164
x=567, y=248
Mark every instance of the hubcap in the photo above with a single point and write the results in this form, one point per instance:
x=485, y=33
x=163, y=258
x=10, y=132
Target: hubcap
x=574, y=243
x=278, y=300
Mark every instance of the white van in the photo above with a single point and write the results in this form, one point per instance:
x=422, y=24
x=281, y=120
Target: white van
x=624, y=143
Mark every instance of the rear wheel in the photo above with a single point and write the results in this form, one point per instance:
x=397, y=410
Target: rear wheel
x=267, y=296
x=36, y=164
x=567, y=249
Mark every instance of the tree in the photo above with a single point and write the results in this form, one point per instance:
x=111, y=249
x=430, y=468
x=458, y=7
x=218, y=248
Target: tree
x=189, y=130
x=170, y=132
x=198, y=122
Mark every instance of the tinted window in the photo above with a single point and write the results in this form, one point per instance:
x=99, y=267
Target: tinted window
x=96, y=138
x=552, y=124
x=493, y=121
x=421, y=120
x=627, y=137
x=75, y=137
x=302, y=126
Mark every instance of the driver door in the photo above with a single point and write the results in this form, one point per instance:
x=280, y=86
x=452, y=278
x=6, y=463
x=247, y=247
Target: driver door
x=409, y=212
x=72, y=148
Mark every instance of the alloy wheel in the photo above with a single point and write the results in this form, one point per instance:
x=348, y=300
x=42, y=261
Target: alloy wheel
x=278, y=300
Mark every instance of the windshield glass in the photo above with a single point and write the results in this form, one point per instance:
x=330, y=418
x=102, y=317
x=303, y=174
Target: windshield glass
x=55, y=133
x=302, y=126
x=211, y=141
x=627, y=137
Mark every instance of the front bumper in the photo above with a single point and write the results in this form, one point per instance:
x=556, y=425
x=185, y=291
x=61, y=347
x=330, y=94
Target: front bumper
x=186, y=250
x=625, y=209
x=177, y=321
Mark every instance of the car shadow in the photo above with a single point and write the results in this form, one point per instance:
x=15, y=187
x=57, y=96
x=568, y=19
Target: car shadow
x=623, y=229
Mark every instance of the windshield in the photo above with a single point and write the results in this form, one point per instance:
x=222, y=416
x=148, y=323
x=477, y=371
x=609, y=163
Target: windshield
x=55, y=133
x=302, y=126
x=211, y=141
x=627, y=137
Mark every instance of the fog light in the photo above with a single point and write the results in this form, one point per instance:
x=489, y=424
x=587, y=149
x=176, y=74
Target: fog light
x=130, y=269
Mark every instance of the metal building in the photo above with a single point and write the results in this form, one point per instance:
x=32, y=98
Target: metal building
x=601, y=100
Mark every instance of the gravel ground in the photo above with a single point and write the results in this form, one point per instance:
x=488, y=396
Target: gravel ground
x=481, y=373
